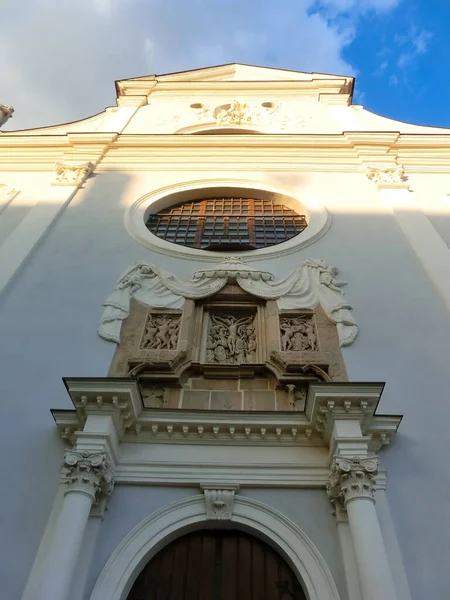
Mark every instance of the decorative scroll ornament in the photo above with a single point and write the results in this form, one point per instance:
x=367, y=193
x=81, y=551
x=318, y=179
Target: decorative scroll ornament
x=219, y=502
x=311, y=284
x=6, y=112
x=88, y=472
x=389, y=175
x=72, y=175
x=352, y=478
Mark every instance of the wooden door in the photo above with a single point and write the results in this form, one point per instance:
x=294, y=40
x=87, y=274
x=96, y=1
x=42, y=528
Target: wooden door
x=217, y=565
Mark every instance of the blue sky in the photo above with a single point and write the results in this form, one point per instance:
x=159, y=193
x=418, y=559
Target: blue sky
x=60, y=58
x=400, y=60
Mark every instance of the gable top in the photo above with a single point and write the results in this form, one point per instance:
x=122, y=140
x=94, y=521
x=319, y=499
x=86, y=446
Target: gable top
x=233, y=72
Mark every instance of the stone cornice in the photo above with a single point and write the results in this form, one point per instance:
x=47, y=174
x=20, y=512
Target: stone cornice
x=325, y=403
x=347, y=152
x=330, y=402
x=313, y=87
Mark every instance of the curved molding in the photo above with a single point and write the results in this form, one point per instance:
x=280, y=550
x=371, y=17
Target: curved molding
x=212, y=127
x=319, y=220
x=178, y=518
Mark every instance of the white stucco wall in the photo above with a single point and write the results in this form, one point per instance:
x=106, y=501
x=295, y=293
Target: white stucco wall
x=50, y=312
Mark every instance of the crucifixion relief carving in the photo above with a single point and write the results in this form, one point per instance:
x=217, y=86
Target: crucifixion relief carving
x=231, y=340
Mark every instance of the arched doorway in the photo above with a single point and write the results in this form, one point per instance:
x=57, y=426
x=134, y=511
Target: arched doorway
x=217, y=565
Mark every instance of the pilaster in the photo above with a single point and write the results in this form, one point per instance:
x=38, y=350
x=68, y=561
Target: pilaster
x=429, y=247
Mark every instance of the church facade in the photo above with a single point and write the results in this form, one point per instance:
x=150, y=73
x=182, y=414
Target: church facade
x=225, y=337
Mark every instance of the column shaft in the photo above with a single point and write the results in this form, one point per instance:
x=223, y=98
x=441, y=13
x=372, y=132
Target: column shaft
x=373, y=566
x=66, y=543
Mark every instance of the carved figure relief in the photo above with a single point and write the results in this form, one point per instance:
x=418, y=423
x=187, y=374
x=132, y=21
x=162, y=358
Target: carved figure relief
x=231, y=340
x=161, y=332
x=233, y=114
x=297, y=333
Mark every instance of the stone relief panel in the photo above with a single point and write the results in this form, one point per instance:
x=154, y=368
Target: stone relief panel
x=154, y=396
x=161, y=332
x=275, y=115
x=298, y=333
x=231, y=339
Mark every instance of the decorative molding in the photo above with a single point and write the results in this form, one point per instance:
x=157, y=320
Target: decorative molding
x=118, y=398
x=319, y=220
x=6, y=112
x=390, y=175
x=89, y=473
x=339, y=510
x=352, y=478
x=326, y=403
x=219, y=501
x=71, y=174
x=145, y=540
x=314, y=283
x=336, y=153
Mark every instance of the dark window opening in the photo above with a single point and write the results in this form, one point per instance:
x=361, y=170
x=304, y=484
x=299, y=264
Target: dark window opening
x=227, y=223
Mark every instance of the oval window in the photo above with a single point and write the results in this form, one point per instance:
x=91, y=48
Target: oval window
x=227, y=223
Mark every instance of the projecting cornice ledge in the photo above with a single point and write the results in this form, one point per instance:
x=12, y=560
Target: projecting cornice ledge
x=326, y=403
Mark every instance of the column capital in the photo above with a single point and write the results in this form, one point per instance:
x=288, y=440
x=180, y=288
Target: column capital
x=352, y=478
x=88, y=473
x=389, y=176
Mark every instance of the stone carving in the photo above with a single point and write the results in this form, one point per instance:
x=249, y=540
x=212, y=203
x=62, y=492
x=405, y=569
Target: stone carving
x=154, y=396
x=161, y=332
x=278, y=116
x=219, y=502
x=88, y=472
x=352, y=478
x=231, y=340
x=297, y=396
x=72, y=175
x=389, y=175
x=235, y=113
x=297, y=333
x=312, y=283
x=339, y=510
x=6, y=112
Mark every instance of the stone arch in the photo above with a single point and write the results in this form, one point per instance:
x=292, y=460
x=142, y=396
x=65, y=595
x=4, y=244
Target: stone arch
x=178, y=518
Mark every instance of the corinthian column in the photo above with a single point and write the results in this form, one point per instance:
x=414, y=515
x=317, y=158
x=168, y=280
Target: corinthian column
x=88, y=480
x=351, y=481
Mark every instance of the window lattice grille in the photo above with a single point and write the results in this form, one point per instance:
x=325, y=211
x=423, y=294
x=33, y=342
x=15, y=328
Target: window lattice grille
x=227, y=223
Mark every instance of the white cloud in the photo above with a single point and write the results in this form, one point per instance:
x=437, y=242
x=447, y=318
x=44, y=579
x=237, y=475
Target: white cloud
x=359, y=6
x=60, y=59
x=413, y=44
